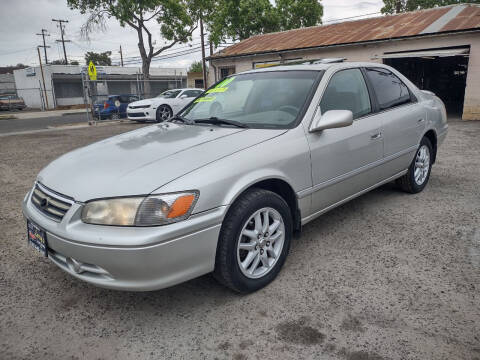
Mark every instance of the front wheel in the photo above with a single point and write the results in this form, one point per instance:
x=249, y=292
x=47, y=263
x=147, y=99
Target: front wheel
x=418, y=173
x=164, y=112
x=254, y=241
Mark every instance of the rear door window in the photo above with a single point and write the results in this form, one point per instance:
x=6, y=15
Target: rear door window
x=389, y=89
x=347, y=91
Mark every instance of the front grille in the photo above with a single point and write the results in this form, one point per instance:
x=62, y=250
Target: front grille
x=50, y=203
x=138, y=106
x=136, y=114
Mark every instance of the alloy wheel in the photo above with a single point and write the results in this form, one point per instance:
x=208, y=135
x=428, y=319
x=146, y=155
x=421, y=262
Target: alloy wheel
x=260, y=243
x=422, y=165
x=164, y=112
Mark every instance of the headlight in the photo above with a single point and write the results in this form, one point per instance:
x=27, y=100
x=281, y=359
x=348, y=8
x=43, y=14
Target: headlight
x=140, y=211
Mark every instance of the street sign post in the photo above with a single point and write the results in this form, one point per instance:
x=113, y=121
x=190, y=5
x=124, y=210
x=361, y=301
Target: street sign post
x=92, y=74
x=92, y=71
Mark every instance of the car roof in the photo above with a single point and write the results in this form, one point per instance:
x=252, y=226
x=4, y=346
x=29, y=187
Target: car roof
x=315, y=67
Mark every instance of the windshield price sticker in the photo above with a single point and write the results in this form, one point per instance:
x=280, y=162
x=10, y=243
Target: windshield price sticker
x=205, y=99
x=217, y=90
x=225, y=82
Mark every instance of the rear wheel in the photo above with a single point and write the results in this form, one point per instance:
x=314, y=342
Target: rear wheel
x=418, y=173
x=115, y=116
x=164, y=112
x=254, y=241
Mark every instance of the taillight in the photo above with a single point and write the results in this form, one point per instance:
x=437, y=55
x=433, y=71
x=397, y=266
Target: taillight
x=106, y=105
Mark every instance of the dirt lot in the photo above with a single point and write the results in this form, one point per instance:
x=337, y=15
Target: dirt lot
x=386, y=276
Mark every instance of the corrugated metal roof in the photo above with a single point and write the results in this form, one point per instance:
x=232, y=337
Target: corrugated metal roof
x=379, y=28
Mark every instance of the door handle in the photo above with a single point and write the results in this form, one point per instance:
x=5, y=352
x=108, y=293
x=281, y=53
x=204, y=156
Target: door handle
x=376, y=136
x=420, y=120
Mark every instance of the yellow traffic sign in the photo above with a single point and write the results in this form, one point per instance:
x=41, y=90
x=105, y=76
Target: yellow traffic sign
x=92, y=71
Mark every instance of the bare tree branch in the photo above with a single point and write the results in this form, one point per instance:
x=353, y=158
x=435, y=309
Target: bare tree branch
x=95, y=22
x=163, y=48
x=154, y=15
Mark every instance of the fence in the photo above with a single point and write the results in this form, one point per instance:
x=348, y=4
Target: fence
x=97, y=92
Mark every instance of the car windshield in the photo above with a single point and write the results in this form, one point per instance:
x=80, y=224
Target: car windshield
x=169, y=94
x=272, y=99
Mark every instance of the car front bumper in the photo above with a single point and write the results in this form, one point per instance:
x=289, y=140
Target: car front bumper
x=142, y=114
x=130, y=258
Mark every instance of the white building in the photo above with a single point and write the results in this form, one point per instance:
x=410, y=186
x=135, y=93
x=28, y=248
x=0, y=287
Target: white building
x=64, y=85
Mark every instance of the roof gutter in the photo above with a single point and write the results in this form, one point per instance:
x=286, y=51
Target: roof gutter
x=210, y=58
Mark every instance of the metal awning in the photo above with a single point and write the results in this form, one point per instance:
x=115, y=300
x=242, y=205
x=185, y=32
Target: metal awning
x=428, y=53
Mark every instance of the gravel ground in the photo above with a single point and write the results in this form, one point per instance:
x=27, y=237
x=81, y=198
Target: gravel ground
x=386, y=276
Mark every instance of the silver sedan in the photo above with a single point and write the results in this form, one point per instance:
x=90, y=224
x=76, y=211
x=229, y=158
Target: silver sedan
x=222, y=186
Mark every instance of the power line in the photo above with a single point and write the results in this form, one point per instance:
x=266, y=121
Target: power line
x=169, y=55
x=173, y=55
x=352, y=17
x=63, y=41
x=18, y=51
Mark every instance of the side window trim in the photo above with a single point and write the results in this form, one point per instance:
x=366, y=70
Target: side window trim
x=413, y=98
x=372, y=104
x=371, y=92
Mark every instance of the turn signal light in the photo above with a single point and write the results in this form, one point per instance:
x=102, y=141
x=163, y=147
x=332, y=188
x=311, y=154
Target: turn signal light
x=181, y=206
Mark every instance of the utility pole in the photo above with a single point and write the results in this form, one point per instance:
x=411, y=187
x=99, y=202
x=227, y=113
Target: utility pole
x=121, y=55
x=43, y=78
x=43, y=34
x=63, y=41
x=204, y=69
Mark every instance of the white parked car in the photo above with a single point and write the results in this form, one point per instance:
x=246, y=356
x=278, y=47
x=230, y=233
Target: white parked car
x=162, y=107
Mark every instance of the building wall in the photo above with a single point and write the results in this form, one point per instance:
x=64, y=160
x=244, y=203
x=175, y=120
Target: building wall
x=7, y=84
x=192, y=76
x=373, y=52
x=30, y=86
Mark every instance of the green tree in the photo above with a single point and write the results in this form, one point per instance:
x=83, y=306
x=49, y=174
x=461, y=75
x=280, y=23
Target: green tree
x=177, y=20
x=74, y=62
x=399, y=6
x=196, y=67
x=57, y=62
x=102, y=59
x=241, y=19
x=294, y=14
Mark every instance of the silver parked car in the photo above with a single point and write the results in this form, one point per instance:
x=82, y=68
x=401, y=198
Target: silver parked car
x=222, y=186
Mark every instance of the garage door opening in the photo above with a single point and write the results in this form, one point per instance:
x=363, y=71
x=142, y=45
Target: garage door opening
x=443, y=71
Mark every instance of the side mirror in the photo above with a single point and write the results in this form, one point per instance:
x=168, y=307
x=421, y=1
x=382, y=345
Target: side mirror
x=331, y=119
x=183, y=96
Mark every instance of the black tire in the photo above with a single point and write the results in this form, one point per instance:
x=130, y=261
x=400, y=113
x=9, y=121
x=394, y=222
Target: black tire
x=227, y=270
x=407, y=182
x=164, y=112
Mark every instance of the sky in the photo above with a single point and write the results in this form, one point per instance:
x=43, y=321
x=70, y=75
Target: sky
x=21, y=20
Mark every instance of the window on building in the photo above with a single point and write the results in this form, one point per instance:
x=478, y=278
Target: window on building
x=67, y=89
x=199, y=83
x=347, y=91
x=226, y=71
x=390, y=90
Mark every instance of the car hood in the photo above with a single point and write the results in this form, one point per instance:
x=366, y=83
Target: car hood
x=144, y=102
x=141, y=161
